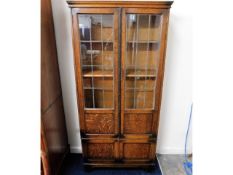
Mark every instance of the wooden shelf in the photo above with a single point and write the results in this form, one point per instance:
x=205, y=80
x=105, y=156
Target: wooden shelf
x=138, y=90
x=98, y=73
x=96, y=41
x=129, y=74
x=140, y=73
x=143, y=42
x=91, y=88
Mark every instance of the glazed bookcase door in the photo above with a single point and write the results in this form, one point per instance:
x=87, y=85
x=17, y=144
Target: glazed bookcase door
x=143, y=39
x=95, y=40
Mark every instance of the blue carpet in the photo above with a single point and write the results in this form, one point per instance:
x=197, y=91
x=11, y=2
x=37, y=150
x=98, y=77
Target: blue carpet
x=73, y=166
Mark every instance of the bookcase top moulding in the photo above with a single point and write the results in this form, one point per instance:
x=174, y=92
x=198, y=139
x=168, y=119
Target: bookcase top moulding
x=161, y=4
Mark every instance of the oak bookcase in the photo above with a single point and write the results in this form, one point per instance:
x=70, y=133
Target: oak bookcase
x=119, y=54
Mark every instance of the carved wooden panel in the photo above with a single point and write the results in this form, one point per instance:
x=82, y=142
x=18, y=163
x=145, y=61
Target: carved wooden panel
x=137, y=123
x=100, y=150
x=136, y=150
x=99, y=123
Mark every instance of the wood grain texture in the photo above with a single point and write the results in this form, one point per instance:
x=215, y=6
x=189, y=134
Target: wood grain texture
x=137, y=123
x=100, y=150
x=45, y=166
x=123, y=54
x=50, y=79
x=116, y=70
x=99, y=123
x=161, y=70
x=136, y=150
x=55, y=129
x=78, y=71
x=122, y=3
x=52, y=112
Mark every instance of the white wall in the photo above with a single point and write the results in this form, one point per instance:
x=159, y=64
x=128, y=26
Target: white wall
x=177, y=89
x=62, y=23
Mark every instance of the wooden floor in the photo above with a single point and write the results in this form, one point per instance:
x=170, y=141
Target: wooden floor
x=172, y=164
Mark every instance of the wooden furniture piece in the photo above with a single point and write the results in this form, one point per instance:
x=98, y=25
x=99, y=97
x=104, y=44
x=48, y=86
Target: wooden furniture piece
x=119, y=53
x=54, y=140
x=44, y=154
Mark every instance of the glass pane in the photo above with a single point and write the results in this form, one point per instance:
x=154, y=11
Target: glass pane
x=96, y=34
x=142, y=55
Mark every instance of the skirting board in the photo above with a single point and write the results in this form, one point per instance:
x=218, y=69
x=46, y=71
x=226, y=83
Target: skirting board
x=74, y=149
x=167, y=150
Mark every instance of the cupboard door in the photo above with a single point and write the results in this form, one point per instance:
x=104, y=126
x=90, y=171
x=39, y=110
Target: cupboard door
x=143, y=39
x=137, y=150
x=96, y=58
x=100, y=150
